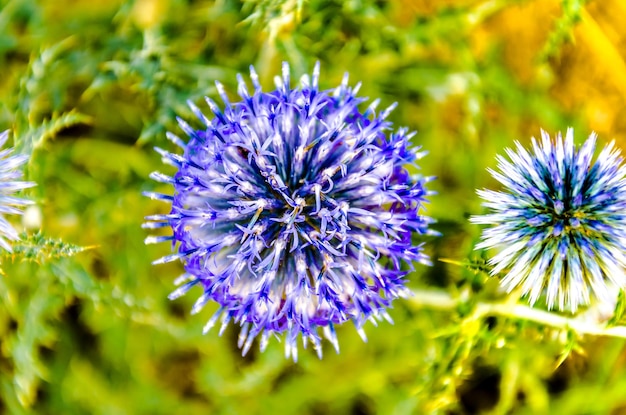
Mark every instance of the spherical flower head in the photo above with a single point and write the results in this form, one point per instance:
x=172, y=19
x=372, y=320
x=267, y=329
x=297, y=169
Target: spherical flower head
x=560, y=223
x=294, y=211
x=9, y=185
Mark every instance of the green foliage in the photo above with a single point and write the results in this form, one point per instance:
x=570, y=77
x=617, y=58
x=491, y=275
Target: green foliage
x=39, y=249
x=619, y=314
x=564, y=26
x=88, y=87
x=264, y=12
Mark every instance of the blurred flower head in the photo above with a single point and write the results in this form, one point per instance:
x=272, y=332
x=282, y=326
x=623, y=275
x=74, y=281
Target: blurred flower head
x=560, y=223
x=9, y=185
x=294, y=211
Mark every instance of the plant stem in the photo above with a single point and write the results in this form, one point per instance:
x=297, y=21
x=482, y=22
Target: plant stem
x=440, y=300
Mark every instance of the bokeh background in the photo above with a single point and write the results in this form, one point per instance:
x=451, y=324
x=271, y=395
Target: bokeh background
x=88, y=87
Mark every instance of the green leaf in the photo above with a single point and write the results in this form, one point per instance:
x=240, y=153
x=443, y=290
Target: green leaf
x=563, y=27
x=619, y=315
x=40, y=249
x=474, y=265
x=35, y=137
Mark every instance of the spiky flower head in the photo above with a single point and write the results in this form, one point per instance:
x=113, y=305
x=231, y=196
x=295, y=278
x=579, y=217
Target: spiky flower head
x=560, y=223
x=294, y=211
x=9, y=185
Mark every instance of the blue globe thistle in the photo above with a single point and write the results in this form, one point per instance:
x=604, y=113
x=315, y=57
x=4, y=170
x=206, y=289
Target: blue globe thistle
x=294, y=211
x=10, y=184
x=560, y=224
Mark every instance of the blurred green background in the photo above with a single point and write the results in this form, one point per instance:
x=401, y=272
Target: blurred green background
x=90, y=86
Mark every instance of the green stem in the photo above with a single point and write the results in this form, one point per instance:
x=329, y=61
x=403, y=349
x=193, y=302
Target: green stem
x=439, y=300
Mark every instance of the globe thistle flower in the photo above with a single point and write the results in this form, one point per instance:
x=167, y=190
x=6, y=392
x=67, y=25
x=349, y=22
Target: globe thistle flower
x=560, y=224
x=294, y=211
x=9, y=184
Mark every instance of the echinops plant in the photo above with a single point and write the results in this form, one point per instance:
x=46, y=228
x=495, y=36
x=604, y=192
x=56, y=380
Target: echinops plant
x=294, y=211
